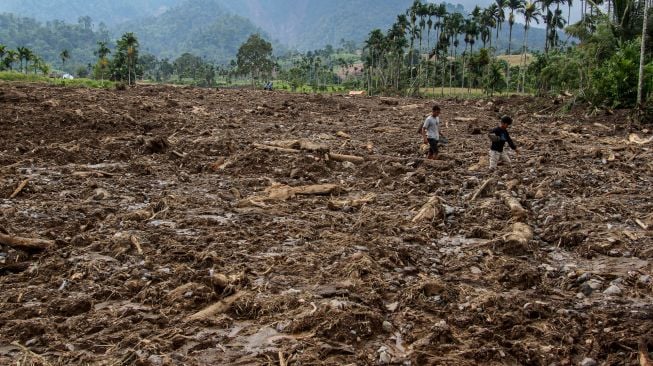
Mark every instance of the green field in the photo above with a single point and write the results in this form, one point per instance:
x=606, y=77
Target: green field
x=34, y=78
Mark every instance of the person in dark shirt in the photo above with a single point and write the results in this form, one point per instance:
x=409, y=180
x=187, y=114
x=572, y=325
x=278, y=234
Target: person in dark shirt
x=499, y=137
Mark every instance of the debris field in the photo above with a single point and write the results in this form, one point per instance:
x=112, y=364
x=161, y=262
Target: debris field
x=166, y=225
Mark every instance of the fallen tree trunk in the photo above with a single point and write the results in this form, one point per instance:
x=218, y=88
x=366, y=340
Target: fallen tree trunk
x=217, y=308
x=483, y=188
x=357, y=202
x=349, y=158
x=283, y=192
x=430, y=211
x=27, y=243
x=276, y=148
x=518, y=212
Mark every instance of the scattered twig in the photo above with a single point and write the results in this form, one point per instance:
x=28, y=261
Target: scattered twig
x=19, y=188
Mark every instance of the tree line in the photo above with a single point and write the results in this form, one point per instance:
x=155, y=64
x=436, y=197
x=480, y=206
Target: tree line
x=429, y=47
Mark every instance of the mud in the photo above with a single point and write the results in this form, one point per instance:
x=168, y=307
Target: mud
x=177, y=241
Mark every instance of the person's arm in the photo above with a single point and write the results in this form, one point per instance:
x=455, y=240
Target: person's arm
x=510, y=143
x=424, y=127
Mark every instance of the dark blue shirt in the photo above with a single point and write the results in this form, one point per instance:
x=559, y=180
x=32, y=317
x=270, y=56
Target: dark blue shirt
x=503, y=138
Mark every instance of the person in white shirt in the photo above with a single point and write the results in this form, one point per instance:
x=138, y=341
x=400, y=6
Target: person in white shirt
x=431, y=132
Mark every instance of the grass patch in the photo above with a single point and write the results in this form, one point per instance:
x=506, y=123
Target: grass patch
x=516, y=60
x=34, y=78
x=436, y=92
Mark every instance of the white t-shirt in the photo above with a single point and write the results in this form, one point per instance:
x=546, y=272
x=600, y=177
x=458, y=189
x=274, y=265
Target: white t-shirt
x=432, y=126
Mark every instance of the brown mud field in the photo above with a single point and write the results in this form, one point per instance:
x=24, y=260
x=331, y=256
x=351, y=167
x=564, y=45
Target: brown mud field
x=177, y=226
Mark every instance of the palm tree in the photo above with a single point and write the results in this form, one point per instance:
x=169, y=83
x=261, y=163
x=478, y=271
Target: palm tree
x=547, y=16
x=130, y=45
x=64, y=55
x=513, y=5
x=556, y=22
x=102, y=52
x=531, y=14
x=500, y=17
x=9, y=59
x=3, y=50
x=24, y=53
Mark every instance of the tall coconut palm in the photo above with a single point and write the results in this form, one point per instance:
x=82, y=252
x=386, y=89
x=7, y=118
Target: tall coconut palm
x=531, y=13
x=513, y=5
x=10, y=57
x=500, y=17
x=25, y=54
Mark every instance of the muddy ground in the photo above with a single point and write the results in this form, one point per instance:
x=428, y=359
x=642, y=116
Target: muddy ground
x=185, y=226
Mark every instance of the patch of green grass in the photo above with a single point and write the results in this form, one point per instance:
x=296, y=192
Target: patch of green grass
x=34, y=78
x=436, y=92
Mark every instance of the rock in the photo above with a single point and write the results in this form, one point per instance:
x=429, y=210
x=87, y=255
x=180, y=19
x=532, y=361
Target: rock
x=476, y=270
x=590, y=286
x=392, y=307
x=100, y=194
x=644, y=280
x=613, y=290
x=387, y=326
x=384, y=356
x=588, y=362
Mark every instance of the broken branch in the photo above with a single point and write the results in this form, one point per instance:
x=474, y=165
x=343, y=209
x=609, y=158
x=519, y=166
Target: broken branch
x=19, y=188
x=28, y=243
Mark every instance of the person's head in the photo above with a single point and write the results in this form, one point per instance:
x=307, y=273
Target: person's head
x=506, y=121
x=435, y=111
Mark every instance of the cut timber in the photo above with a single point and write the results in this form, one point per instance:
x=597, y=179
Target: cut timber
x=516, y=209
x=517, y=241
x=276, y=148
x=464, y=119
x=356, y=202
x=357, y=93
x=343, y=134
x=430, y=211
x=284, y=192
x=489, y=183
x=389, y=101
x=298, y=145
x=349, y=158
x=19, y=188
x=633, y=137
x=27, y=243
x=217, y=308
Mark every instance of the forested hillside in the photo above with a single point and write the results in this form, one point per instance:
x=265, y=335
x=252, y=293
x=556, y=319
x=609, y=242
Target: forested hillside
x=49, y=39
x=200, y=27
x=110, y=12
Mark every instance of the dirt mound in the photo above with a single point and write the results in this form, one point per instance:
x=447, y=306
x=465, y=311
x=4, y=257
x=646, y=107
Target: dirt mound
x=172, y=226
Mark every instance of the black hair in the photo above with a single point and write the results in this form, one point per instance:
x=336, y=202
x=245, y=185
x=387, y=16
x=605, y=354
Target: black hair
x=436, y=108
x=507, y=120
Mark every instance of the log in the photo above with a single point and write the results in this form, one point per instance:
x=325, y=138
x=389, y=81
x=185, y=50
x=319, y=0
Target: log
x=19, y=188
x=356, y=202
x=349, y=158
x=518, y=240
x=217, y=308
x=26, y=243
x=275, y=148
x=136, y=243
x=430, y=211
x=483, y=188
x=518, y=212
x=343, y=134
x=299, y=145
x=464, y=119
x=284, y=192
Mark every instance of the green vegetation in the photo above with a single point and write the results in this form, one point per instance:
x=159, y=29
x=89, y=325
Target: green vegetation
x=35, y=78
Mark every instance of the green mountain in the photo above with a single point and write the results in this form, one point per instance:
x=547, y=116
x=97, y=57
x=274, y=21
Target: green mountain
x=110, y=12
x=201, y=27
x=48, y=39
